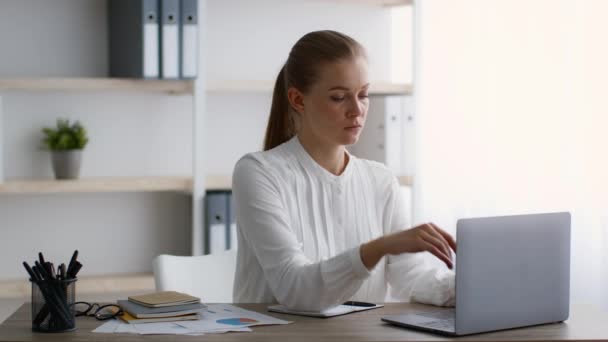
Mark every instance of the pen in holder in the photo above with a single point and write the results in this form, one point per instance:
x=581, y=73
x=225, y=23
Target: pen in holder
x=53, y=305
x=53, y=294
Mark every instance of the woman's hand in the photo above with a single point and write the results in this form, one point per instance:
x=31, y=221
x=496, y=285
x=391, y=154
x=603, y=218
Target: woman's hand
x=425, y=237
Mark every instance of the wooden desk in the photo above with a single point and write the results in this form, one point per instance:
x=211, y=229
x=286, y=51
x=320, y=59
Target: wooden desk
x=585, y=323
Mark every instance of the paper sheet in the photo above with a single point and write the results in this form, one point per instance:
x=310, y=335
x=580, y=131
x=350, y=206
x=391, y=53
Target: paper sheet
x=215, y=319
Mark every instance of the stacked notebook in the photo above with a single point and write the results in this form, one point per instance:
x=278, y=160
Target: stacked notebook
x=166, y=306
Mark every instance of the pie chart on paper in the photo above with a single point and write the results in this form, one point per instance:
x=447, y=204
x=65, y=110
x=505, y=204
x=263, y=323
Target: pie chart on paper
x=236, y=321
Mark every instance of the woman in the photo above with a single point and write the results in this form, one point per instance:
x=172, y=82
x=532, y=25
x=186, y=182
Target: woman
x=316, y=225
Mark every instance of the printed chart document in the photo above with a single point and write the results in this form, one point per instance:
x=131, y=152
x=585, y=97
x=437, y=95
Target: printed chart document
x=214, y=319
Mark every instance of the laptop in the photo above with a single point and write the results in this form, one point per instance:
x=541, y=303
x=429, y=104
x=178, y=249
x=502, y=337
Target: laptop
x=512, y=271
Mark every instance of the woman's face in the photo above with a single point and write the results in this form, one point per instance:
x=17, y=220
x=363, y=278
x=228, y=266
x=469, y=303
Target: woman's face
x=335, y=108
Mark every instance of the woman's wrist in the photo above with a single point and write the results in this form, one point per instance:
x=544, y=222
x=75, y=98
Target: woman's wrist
x=371, y=252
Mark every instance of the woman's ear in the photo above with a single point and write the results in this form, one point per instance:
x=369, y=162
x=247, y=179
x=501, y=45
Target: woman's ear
x=296, y=99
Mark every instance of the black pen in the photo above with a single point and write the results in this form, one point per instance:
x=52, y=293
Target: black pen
x=355, y=303
x=41, y=258
x=72, y=261
x=77, y=267
x=62, y=271
x=30, y=272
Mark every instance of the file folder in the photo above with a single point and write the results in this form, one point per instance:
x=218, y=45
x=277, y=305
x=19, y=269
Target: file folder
x=232, y=238
x=169, y=27
x=384, y=137
x=134, y=38
x=216, y=218
x=1, y=147
x=189, y=39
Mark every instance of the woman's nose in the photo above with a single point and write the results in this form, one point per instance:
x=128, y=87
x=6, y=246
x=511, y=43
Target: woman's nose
x=356, y=109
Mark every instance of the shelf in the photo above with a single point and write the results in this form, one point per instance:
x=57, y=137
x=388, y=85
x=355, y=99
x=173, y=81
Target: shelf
x=166, y=86
x=214, y=182
x=250, y=86
x=109, y=184
x=377, y=2
x=118, y=84
x=218, y=182
x=112, y=184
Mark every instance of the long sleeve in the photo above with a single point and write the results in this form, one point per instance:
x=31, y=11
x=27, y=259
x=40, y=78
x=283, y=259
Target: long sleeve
x=410, y=277
x=295, y=281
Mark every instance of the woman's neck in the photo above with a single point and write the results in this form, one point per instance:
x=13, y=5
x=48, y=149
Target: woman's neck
x=332, y=158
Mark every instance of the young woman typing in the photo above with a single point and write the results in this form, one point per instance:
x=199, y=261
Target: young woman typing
x=316, y=225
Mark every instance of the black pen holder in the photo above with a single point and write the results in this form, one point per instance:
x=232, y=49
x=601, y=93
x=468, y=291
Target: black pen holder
x=53, y=305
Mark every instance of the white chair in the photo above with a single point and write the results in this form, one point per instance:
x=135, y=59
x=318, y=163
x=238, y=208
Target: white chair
x=209, y=277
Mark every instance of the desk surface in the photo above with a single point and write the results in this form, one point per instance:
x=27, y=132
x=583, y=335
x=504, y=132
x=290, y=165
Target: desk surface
x=585, y=323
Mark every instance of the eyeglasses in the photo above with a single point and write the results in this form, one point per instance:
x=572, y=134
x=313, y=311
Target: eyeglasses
x=101, y=312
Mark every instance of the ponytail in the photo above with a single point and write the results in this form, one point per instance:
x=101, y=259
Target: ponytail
x=280, y=124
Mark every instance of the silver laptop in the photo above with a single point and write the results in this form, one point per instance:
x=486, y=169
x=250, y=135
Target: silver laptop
x=512, y=271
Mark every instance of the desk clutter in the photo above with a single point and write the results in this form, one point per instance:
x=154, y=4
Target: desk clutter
x=170, y=312
x=164, y=306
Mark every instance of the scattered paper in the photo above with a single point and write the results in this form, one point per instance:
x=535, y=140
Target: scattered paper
x=108, y=327
x=162, y=328
x=214, y=319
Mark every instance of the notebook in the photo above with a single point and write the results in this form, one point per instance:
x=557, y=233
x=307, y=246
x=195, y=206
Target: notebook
x=164, y=298
x=140, y=311
x=126, y=317
x=332, y=312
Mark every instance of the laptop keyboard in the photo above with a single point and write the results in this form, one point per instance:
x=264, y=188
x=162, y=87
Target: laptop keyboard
x=442, y=320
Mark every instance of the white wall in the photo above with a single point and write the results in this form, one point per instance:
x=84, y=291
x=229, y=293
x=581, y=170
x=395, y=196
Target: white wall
x=512, y=119
x=53, y=38
x=251, y=39
x=114, y=233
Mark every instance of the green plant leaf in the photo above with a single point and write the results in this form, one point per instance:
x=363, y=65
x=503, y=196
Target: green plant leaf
x=65, y=136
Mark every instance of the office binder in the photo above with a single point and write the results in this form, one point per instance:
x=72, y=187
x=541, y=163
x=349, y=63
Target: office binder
x=134, y=38
x=189, y=39
x=232, y=238
x=216, y=218
x=169, y=45
x=1, y=147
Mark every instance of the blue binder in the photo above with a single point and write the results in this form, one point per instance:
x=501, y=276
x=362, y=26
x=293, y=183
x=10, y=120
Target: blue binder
x=218, y=221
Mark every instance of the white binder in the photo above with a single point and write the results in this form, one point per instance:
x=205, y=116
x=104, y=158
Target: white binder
x=169, y=39
x=151, y=41
x=383, y=138
x=234, y=243
x=217, y=238
x=1, y=147
x=189, y=38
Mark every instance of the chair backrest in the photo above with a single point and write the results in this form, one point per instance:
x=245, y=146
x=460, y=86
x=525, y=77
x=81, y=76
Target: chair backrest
x=209, y=277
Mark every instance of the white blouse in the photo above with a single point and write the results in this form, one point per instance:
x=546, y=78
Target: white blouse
x=300, y=228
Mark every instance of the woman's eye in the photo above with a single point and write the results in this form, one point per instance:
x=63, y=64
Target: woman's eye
x=337, y=98
x=363, y=96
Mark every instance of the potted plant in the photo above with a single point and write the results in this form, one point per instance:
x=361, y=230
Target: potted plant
x=66, y=143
